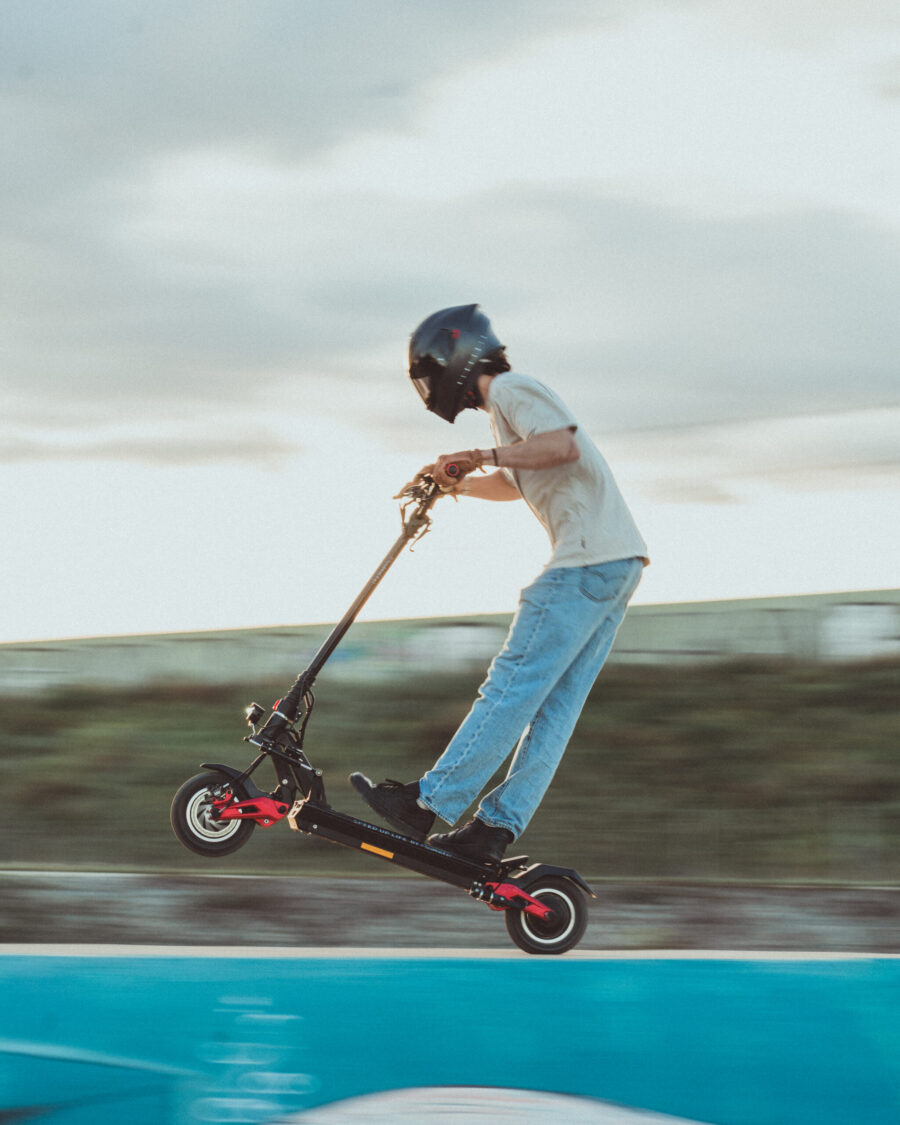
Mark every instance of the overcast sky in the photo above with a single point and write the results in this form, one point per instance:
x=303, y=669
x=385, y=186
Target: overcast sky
x=220, y=221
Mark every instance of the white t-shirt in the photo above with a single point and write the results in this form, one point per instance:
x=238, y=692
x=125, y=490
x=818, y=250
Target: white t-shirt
x=578, y=502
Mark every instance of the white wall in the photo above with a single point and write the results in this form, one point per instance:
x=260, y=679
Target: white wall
x=844, y=626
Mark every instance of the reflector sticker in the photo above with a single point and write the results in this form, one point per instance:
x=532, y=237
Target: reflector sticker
x=377, y=851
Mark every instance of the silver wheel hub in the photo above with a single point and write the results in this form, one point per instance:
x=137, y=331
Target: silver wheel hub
x=203, y=822
x=562, y=905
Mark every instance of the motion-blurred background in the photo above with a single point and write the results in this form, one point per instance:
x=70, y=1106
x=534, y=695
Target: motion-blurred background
x=733, y=758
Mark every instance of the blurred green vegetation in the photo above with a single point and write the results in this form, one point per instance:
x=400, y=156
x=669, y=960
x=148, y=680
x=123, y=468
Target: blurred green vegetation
x=749, y=771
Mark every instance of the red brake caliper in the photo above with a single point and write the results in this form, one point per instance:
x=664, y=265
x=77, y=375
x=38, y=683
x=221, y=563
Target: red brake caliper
x=264, y=810
x=507, y=896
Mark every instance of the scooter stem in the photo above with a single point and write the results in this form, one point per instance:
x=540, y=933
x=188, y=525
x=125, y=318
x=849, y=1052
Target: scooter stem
x=415, y=523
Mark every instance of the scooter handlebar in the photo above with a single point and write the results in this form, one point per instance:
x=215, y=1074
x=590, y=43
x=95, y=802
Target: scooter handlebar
x=426, y=487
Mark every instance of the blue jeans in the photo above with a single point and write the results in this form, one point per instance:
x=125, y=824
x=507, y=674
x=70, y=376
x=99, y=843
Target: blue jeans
x=534, y=692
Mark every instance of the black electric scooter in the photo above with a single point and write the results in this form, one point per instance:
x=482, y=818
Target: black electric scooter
x=214, y=813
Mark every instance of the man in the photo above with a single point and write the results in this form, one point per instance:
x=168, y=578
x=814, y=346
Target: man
x=567, y=618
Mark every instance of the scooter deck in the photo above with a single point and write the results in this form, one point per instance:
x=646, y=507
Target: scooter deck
x=322, y=820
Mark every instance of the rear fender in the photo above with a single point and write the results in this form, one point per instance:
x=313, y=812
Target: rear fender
x=539, y=870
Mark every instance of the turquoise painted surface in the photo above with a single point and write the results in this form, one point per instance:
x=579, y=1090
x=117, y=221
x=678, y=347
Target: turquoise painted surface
x=185, y=1039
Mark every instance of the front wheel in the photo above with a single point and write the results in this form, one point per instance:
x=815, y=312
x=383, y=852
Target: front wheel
x=194, y=821
x=563, y=930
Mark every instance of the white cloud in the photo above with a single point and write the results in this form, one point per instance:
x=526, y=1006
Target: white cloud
x=641, y=316
x=724, y=463
x=156, y=259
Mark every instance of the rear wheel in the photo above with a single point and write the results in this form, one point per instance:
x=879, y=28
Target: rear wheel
x=562, y=930
x=194, y=821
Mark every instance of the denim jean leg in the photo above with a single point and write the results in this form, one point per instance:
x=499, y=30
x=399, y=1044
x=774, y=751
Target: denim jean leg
x=512, y=804
x=541, y=644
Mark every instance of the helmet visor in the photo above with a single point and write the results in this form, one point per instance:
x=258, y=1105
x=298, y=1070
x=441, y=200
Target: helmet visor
x=423, y=386
x=426, y=373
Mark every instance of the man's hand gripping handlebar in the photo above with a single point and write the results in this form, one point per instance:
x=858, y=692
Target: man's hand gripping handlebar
x=447, y=472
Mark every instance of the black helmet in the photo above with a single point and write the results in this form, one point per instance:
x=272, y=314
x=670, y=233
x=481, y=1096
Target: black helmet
x=447, y=353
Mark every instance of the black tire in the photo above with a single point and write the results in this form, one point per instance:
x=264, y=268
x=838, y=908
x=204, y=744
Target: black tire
x=196, y=828
x=563, y=931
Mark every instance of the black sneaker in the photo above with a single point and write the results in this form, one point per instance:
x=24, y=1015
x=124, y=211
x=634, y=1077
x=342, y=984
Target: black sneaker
x=476, y=840
x=397, y=803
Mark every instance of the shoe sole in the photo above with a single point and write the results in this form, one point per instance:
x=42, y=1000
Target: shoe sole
x=365, y=788
x=490, y=861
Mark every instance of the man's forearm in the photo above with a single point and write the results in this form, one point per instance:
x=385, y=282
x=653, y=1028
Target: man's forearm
x=541, y=451
x=492, y=486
